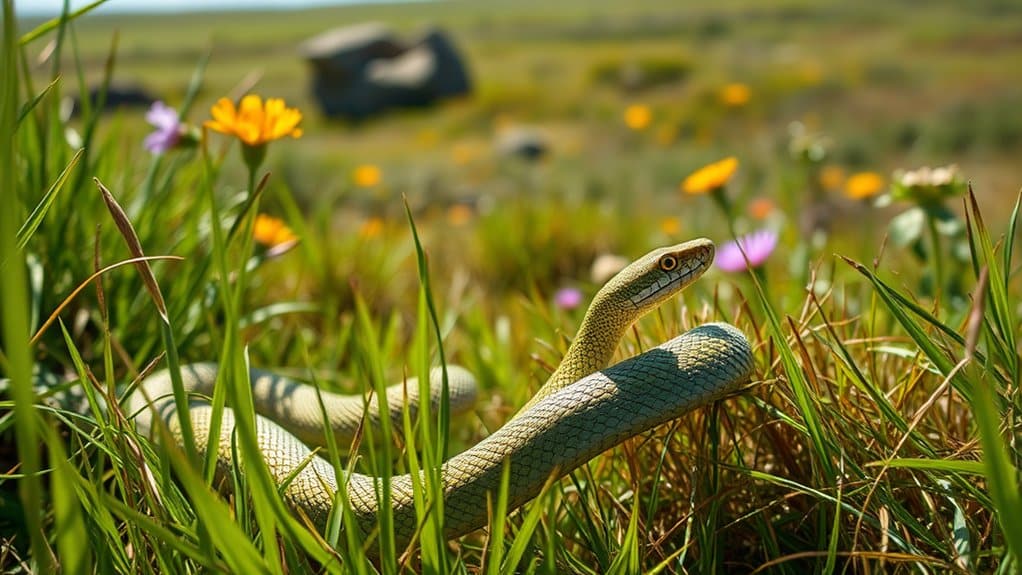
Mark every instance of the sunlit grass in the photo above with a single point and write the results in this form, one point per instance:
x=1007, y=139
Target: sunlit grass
x=878, y=434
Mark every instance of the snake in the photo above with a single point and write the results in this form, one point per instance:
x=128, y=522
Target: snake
x=583, y=409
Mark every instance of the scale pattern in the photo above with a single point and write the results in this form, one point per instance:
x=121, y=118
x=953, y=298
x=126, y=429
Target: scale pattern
x=577, y=414
x=553, y=437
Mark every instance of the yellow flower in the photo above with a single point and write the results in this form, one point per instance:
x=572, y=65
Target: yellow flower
x=367, y=176
x=463, y=154
x=371, y=227
x=735, y=95
x=864, y=185
x=427, y=138
x=253, y=122
x=710, y=177
x=831, y=177
x=272, y=232
x=638, y=117
x=670, y=226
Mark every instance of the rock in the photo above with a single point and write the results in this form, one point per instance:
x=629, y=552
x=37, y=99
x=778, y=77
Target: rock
x=450, y=77
x=117, y=96
x=364, y=70
x=522, y=142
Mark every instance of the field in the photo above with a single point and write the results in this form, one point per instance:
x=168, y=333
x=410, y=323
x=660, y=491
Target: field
x=879, y=431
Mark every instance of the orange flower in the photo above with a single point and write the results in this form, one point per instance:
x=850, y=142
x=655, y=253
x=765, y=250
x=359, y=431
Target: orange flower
x=371, y=227
x=638, y=117
x=367, y=176
x=760, y=208
x=459, y=214
x=735, y=95
x=710, y=177
x=864, y=185
x=253, y=122
x=272, y=232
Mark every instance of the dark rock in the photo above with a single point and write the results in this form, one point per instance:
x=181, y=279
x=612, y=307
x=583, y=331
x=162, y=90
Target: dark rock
x=117, y=96
x=522, y=142
x=364, y=70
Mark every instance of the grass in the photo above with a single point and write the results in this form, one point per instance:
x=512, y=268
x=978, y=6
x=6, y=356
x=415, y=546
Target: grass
x=880, y=433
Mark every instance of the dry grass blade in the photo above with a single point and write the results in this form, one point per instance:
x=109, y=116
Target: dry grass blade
x=135, y=247
x=56, y=313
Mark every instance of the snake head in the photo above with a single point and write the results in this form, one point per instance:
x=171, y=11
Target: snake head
x=658, y=275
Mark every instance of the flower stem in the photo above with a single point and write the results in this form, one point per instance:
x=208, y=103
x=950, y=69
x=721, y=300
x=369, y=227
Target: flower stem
x=938, y=266
x=719, y=196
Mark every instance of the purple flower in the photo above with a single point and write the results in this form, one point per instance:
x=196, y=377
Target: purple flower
x=568, y=298
x=168, y=128
x=757, y=246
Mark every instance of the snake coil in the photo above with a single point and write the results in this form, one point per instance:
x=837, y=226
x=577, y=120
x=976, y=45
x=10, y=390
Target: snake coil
x=579, y=413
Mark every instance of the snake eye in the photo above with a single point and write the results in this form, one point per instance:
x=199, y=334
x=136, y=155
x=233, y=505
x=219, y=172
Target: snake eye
x=668, y=263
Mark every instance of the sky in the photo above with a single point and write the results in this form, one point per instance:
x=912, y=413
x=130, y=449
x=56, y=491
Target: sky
x=53, y=7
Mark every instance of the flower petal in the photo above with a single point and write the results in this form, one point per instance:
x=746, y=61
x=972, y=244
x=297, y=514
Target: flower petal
x=224, y=112
x=255, y=122
x=757, y=247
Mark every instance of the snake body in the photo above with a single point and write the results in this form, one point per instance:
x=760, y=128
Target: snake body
x=295, y=405
x=579, y=413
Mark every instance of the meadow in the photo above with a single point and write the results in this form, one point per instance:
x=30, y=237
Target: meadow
x=880, y=429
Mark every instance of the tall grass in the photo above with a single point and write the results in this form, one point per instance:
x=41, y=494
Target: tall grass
x=879, y=433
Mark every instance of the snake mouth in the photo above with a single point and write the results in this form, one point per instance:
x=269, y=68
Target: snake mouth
x=668, y=283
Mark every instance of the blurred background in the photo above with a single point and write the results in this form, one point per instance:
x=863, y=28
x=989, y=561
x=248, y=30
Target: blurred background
x=581, y=117
x=888, y=84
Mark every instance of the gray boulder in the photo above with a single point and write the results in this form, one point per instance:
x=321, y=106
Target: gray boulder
x=364, y=70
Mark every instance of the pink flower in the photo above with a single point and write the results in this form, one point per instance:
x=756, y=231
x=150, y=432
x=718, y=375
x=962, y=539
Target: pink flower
x=168, y=128
x=757, y=246
x=568, y=298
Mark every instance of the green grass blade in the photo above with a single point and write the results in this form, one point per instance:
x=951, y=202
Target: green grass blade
x=382, y=462
x=935, y=354
x=835, y=532
x=498, y=523
x=15, y=302
x=525, y=533
x=1001, y=318
x=75, y=558
x=895, y=538
x=58, y=22
x=1001, y=475
x=27, y=108
x=239, y=553
x=627, y=560
x=950, y=465
x=172, y=539
x=443, y=415
x=37, y=215
x=822, y=445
